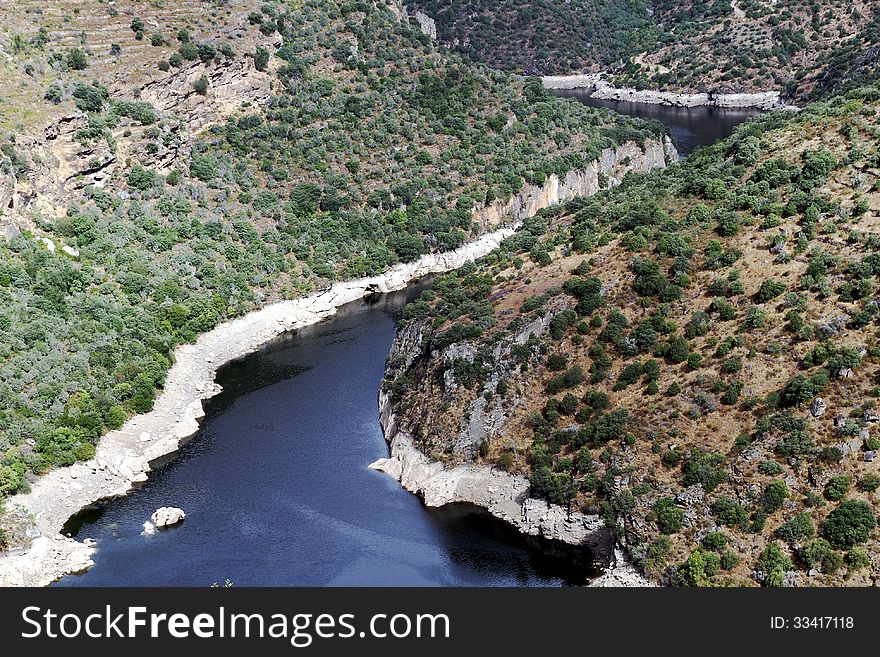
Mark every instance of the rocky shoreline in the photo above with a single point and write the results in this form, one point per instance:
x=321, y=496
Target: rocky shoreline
x=502, y=494
x=600, y=88
x=124, y=457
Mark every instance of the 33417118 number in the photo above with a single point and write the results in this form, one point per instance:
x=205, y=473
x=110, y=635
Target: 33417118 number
x=812, y=623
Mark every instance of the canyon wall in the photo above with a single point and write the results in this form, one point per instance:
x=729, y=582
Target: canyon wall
x=613, y=163
x=502, y=494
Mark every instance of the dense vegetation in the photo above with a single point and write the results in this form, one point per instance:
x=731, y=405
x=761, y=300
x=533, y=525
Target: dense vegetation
x=543, y=37
x=806, y=49
x=693, y=355
x=372, y=149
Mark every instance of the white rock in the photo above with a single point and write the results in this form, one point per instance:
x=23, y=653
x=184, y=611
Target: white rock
x=145, y=437
x=149, y=529
x=69, y=250
x=167, y=516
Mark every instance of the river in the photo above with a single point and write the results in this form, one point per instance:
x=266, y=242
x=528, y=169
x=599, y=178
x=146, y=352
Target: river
x=277, y=490
x=276, y=485
x=689, y=127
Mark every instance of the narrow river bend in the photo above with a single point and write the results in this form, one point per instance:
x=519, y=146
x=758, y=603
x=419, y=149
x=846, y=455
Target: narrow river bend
x=277, y=490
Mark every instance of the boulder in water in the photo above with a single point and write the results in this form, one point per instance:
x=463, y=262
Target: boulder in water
x=167, y=516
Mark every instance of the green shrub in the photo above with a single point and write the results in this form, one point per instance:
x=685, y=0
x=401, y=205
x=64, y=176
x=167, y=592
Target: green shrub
x=769, y=289
x=697, y=570
x=796, y=529
x=773, y=563
x=203, y=167
x=838, y=487
x=261, y=59
x=201, y=85
x=557, y=362
x=89, y=97
x=188, y=51
x=141, y=178
x=773, y=496
x=705, y=468
x=714, y=541
x=802, y=389
x=819, y=554
x=770, y=468
x=571, y=378
x=669, y=517
x=77, y=59
x=869, y=483
x=849, y=524
x=857, y=558
x=729, y=512
x=141, y=112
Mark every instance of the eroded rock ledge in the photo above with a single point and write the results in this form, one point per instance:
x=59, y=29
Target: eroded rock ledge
x=602, y=89
x=502, y=494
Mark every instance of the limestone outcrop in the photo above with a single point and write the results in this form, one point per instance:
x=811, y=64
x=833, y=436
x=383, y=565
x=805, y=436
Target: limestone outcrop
x=582, y=182
x=426, y=25
x=602, y=89
x=502, y=494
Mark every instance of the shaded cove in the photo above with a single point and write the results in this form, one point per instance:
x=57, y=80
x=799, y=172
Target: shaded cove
x=277, y=490
x=690, y=127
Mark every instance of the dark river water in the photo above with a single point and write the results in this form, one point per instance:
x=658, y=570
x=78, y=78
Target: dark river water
x=277, y=490
x=690, y=127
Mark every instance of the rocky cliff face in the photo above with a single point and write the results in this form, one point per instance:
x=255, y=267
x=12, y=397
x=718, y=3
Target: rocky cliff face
x=57, y=161
x=426, y=24
x=612, y=165
x=504, y=495
x=602, y=89
x=231, y=84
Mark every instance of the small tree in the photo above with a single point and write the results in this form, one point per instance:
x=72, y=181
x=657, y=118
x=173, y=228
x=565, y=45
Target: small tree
x=849, y=524
x=669, y=516
x=77, y=59
x=141, y=178
x=838, y=487
x=201, y=85
x=261, y=59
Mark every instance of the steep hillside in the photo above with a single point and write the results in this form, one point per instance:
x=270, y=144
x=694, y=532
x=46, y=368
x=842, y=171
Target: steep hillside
x=543, y=38
x=805, y=49
x=165, y=166
x=692, y=354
